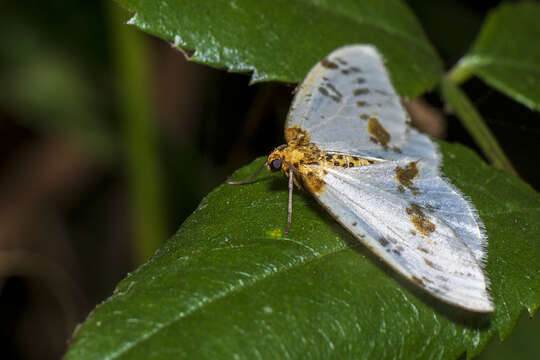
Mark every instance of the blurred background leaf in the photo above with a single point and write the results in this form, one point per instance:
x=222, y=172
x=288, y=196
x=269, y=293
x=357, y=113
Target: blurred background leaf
x=505, y=55
x=48, y=89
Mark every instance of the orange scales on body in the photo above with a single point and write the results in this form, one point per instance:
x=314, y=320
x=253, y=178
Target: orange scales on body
x=308, y=162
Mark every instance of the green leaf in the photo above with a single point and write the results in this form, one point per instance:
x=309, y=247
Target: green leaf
x=506, y=54
x=230, y=285
x=476, y=126
x=282, y=39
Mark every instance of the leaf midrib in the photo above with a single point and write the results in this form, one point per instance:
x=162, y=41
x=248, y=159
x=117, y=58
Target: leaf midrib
x=478, y=60
x=245, y=285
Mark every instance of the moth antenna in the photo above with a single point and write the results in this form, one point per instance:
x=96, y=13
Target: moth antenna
x=249, y=179
x=289, y=210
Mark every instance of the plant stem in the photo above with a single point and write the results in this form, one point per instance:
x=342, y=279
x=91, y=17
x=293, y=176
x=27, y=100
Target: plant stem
x=139, y=134
x=473, y=122
x=460, y=73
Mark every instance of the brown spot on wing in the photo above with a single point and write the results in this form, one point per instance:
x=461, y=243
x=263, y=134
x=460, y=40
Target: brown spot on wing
x=418, y=281
x=405, y=176
x=333, y=88
x=323, y=91
x=431, y=264
x=328, y=64
x=362, y=91
x=397, y=250
x=378, y=132
x=341, y=61
x=420, y=221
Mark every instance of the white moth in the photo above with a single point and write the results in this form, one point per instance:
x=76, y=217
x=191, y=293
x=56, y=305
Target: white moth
x=349, y=143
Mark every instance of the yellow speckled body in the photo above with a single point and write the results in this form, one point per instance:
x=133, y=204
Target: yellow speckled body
x=303, y=155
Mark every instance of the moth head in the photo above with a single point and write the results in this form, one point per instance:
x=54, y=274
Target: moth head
x=276, y=160
x=274, y=163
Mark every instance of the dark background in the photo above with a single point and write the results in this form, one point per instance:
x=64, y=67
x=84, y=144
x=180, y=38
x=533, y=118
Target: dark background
x=66, y=203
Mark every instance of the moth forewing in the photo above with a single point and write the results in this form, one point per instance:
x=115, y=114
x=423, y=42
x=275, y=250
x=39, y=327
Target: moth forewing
x=349, y=85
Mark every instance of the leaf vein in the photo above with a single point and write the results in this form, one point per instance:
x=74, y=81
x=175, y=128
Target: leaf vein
x=245, y=284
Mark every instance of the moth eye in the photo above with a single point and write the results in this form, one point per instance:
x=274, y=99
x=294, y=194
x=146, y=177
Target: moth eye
x=275, y=165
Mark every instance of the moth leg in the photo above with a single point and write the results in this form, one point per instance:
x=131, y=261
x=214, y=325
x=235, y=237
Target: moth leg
x=289, y=212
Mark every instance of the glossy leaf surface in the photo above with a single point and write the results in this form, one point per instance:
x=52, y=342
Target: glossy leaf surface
x=230, y=285
x=282, y=39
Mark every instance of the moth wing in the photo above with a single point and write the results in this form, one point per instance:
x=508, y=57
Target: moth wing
x=432, y=192
x=347, y=101
x=433, y=238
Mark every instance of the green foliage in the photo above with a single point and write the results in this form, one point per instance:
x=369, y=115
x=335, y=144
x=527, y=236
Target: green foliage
x=506, y=54
x=50, y=92
x=282, y=39
x=229, y=284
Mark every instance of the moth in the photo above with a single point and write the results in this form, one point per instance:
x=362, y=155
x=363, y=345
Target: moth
x=350, y=144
